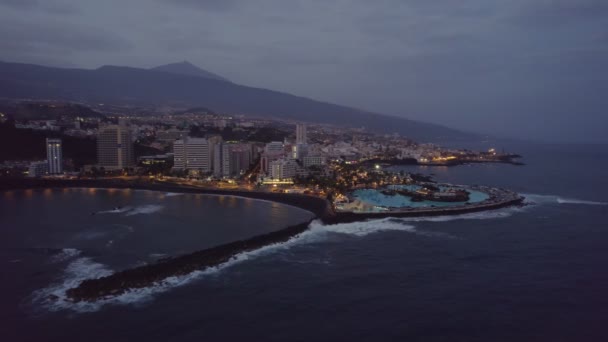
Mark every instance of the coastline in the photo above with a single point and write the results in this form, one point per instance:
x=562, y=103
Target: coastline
x=318, y=206
x=147, y=275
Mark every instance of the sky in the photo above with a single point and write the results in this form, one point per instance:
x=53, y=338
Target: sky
x=534, y=69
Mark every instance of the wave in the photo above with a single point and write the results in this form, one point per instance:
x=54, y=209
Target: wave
x=115, y=211
x=362, y=228
x=65, y=254
x=54, y=298
x=482, y=215
x=173, y=194
x=551, y=199
x=130, y=211
x=145, y=209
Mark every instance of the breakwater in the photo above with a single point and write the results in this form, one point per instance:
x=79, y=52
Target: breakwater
x=144, y=276
x=346, y=217
x=148, y=275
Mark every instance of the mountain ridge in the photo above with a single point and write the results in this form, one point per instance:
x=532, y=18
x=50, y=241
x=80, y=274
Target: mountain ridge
x=136, y=86
x=187, y=68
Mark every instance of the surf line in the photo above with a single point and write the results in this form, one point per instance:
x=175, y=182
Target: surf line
x=144, y=276
x=148, y=275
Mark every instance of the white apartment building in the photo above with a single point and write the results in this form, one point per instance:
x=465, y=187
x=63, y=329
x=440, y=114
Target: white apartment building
x=283, y=169
x=54, y=156
x=192, y=154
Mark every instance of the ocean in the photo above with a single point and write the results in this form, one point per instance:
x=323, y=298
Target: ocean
x=535, y=273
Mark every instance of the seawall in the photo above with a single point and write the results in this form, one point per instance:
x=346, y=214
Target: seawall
x=147, y=275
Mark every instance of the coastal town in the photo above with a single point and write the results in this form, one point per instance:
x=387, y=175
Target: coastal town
x=201, y=149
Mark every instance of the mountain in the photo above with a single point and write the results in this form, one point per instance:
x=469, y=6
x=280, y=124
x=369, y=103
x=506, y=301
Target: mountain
x=187, y=68
x=142, y=87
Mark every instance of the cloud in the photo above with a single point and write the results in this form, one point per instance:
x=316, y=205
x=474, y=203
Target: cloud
x=210, y=5
x=19, y=4
x=17, y=35
x=469, y=63
x=50, y=6
x=560, y=12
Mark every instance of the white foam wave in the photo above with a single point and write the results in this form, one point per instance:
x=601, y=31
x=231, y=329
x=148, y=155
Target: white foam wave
x=362, y=228
x=54, y=298
x=145, y=209
x=549, y=199
x=115, y=211
x=482, y=215
x=173, y=194
x=157, y=255
x=65, y=254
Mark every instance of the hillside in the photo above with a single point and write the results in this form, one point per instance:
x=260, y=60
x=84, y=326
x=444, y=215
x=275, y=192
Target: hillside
x=187, y=68
x=46, y=110
x=132, y=86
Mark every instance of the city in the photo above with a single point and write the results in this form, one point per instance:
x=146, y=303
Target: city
x=208, y=150
x=270, y=170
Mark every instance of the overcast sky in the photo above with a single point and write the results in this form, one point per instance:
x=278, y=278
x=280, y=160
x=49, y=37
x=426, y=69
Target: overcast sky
x=518, y=68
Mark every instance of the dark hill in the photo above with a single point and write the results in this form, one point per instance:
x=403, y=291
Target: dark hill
x=132, y=86
x=47, y=110
x=187, y=68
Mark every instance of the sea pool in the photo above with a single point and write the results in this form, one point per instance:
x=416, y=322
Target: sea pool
x=377, y=198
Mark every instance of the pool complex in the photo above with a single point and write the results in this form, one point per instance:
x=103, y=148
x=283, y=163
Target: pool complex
x=377, y=198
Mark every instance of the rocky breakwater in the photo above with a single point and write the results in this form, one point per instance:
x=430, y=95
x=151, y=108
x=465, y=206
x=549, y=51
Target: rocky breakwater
x=148, y=275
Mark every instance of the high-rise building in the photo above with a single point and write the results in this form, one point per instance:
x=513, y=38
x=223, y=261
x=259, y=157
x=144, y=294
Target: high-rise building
x=283, y=169
x=299, y=151
x=192, y=154
x=301, y=134
x=214, y=140
x=232, y=159
x=115, y=147
x=54, y=156
x=272, y=151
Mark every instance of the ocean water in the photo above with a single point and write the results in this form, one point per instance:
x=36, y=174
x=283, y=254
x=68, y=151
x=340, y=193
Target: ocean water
x=536, y=273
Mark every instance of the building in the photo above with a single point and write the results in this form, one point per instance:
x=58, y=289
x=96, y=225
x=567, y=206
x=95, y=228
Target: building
x=232, y=159
x=275, y=147
x=309, y=161
x=192, y=154
x=115, y=147
x=170, y=135
x=283, y=169
x=301, y=138
x=159, y=159
x=272, y=151
x=54, y=156
x=299, y=151
x=38, y=169
x=214, y=140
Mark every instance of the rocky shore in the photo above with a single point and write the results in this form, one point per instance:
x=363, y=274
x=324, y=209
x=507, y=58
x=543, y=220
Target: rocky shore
x=148, y=275
x=144, y=276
